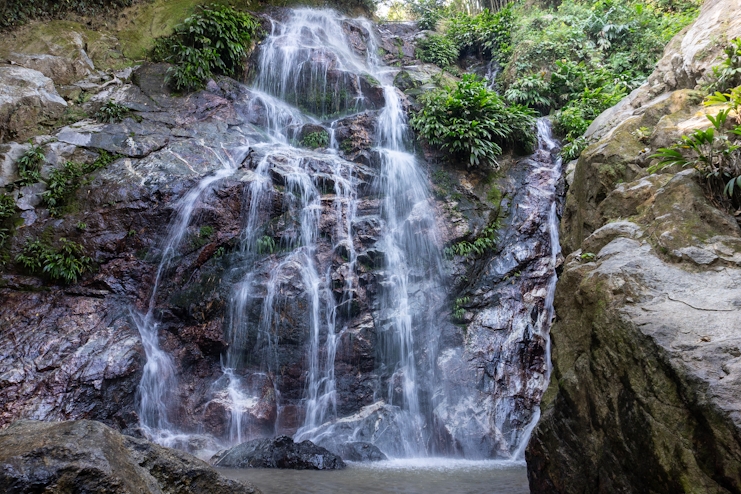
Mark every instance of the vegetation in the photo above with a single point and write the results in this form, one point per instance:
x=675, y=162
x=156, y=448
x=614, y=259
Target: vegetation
x=8, y=211
x=214, y=40
x=473, y=123
x=29, y=165
x=265, y=245
x=714, y=152
x=66, y=262
x=64, y=182
x=17, y=12
x=727, y=74
x=111, y=112
x=482, y=244
x=572, y=58
x=313, y=140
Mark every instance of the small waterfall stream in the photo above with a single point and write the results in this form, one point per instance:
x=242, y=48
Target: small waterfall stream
x=302, y=269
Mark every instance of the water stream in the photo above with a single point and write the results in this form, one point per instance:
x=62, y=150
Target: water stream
x=299, y=275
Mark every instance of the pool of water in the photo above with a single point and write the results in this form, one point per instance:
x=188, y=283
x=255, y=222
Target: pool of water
x=417, y=476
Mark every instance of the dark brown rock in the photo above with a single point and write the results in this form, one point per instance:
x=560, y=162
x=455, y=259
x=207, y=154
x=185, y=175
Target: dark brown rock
x=87, y=456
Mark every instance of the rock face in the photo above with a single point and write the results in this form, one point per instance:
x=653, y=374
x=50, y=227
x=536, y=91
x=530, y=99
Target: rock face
x=27, y=98
x=644, y=394
x=280, y=452
x=87, y=456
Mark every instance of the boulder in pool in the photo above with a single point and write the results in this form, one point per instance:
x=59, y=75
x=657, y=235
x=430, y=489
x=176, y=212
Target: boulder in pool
x=359, y=451
x=280, y=452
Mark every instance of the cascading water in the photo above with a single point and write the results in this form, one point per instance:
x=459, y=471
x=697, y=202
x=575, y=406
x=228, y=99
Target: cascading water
x=321, y=235
x=158, y=378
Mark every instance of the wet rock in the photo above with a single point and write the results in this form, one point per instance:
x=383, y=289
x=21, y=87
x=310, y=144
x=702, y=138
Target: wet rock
x=644, y=390
x=359, y=451
x=87, y=456
x=27, y=99
x=280, y=452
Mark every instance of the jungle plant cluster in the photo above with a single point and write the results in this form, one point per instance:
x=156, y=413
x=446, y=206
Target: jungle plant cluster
x=17, y=12
x=214, y=40
x=486, y=35
x=580, y=58
x=572, y=59
x=715, y=152
x=473, y=123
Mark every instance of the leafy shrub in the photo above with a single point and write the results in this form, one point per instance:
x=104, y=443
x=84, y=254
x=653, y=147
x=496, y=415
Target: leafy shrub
x=437, y=49
x=574, y=119
x=214, y=40
x=482, y=244
x=313, y=140
x=472, y=122
x=29, y=165
x=727, y=74
x=732, y=98
x=532, y=91
x=8, y=210
x=64, y=182
x=712, y=152
x=427, y=12
x=66, y=263
x=111, y=112
x=265, y=245
x=17, y=12
x=487, y=34
x=573, y=149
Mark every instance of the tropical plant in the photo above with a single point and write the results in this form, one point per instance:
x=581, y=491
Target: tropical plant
x=214, y=40
x=732, y=98
x=479, y=246
x=29, y=165
x=437, y=49
x=573, y=149
x=530, y=90
x=727, y=74
x=111, y=112
x=712, y=152
x=265, y=245
x=64, y=181
x=8, y=211
x=65, y=263
x=313, y=140
x=472, y=122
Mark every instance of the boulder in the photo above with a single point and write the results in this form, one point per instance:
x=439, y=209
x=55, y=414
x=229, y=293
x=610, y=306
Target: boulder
x=280, y=452
x=61, y=70
x=27, y=99
x=87, y=456
x=360, y=451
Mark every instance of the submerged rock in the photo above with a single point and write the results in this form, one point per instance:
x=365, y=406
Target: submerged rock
x=360, y=451
x=87, y=456
x=280, y=452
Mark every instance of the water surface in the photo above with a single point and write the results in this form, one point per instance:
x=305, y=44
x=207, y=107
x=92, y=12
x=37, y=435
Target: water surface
x=412, y=476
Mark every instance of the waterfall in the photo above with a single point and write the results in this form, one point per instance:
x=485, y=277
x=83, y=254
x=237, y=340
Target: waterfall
x=159, y=379
x=303, y=265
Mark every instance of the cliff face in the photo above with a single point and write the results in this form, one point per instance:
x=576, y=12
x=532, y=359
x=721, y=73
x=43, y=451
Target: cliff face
x=645, y=392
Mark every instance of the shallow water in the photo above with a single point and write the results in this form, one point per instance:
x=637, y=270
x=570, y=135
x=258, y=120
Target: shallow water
x=415, y=476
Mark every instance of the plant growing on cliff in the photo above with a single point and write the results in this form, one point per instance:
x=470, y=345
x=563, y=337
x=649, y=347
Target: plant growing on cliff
x=732, y=98
x=714, y=152
x=473, y=123
x=313, y=140
x=66, y=263
x=265, y=245
x=111, y=112
x=8, y=211
x=64, y=182
x=29, y=165
x=214, y=40
x=727, y=74
x=437, y=49
x=482, y=244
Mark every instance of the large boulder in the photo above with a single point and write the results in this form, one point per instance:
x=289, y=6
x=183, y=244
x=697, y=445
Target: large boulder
x=644, y=392
x=61, y=70
x=280, y=452
x=27, y=99
x=87, y=456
